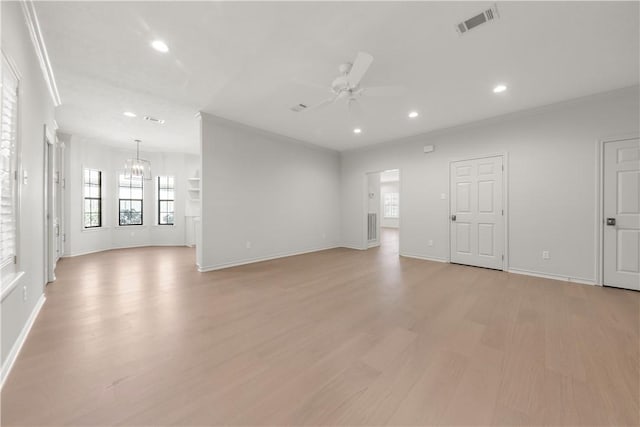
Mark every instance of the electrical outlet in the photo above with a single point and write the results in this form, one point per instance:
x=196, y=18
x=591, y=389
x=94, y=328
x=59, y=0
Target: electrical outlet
x=545, y=254
x=324, y=235
x=443, y=196
x=24, y=293
x=430, y=243
x=248, y=245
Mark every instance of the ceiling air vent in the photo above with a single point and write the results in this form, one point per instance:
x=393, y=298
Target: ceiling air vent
x=298, y=108
x=154, y=120
x=488, y=15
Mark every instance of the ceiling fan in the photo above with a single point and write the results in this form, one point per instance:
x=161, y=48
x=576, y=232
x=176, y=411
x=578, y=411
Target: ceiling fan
x=347, y=85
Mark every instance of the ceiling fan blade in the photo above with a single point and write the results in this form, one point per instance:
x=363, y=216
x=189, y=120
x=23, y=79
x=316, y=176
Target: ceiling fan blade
x=322, y=104
x=359, y=68
x=384, y=91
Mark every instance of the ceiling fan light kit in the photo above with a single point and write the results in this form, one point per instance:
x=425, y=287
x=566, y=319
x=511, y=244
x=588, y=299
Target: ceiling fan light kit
x=347, y=86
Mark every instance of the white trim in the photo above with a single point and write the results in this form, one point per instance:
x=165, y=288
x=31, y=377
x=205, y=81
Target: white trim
x=204, y=269
x=11, y=285
x=424, y=258
x=94, y=229
x=31, y=19
x=17, y=345
x=355, y=248
x=75, y=254
x=132, y=226
x=551, y=276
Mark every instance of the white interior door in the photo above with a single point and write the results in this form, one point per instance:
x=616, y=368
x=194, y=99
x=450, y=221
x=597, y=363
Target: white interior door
x=477, y=212
x=622, y=214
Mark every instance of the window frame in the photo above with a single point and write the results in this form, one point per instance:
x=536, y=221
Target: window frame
x=130, y=200
x=9, y=267
x=160, y=200
x=99, y=199
x=393, y=204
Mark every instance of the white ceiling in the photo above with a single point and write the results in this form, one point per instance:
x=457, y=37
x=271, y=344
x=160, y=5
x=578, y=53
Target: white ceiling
x=250, y=62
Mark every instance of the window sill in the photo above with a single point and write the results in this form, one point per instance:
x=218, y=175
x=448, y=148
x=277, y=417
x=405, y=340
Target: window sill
x=10, y=283
x=130, y=227
x=164, y=226
x=93, y=229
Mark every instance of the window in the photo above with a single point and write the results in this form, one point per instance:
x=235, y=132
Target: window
x=92, y=198
x=130, y=200
x=8, y=168
x=166, y=194
x=391, y=206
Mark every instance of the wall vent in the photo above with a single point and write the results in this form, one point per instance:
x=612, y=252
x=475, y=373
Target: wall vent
x=471, y=23
x=154, y=120
x=298, y=108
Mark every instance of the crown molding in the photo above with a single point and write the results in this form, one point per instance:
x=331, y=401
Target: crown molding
x=31, y=19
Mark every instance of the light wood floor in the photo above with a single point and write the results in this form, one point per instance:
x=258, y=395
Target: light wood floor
x=138, y=337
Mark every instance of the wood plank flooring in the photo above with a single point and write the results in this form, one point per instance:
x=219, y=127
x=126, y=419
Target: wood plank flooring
x=339, y=337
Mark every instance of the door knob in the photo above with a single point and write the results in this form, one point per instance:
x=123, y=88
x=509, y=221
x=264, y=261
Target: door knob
x=453, y=217
x=611, y=221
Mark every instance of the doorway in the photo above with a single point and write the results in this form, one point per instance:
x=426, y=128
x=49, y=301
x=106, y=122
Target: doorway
x=621, y=213
x=477, y=215
x=390, y=210
x=383, y=210
x=52, y=204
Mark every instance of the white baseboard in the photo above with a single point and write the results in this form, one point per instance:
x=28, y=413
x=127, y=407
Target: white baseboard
x=17, y=346
x=357, y=248
x=551, y=276
x=424, y=258
x=204, y=269
x=75, y=254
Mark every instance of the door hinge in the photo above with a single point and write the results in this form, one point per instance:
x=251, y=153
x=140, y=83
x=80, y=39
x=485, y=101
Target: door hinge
x=503, y=257
x=502, y=212
x=503, y=168
x=15, y=259
x=15, y=175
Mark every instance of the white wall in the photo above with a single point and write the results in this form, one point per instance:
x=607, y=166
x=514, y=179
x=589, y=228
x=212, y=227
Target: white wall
x=279, y=194
x=388, y=187
x=35, y=110
x=552, y=181
x=83, y=153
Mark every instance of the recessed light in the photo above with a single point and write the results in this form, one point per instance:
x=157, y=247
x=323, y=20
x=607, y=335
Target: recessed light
x=129, y=114
x=413, y=114
x=357, y=130
x=499, y=89
x=160, y=46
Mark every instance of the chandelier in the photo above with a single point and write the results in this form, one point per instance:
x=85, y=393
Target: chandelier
x=137, y=168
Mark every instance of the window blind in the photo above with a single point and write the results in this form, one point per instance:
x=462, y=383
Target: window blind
x=8, y=142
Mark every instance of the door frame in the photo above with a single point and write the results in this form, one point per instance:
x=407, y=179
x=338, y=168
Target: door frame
x=505, y=201
x=365, y=208
x=49, y=142
x=599, y=225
